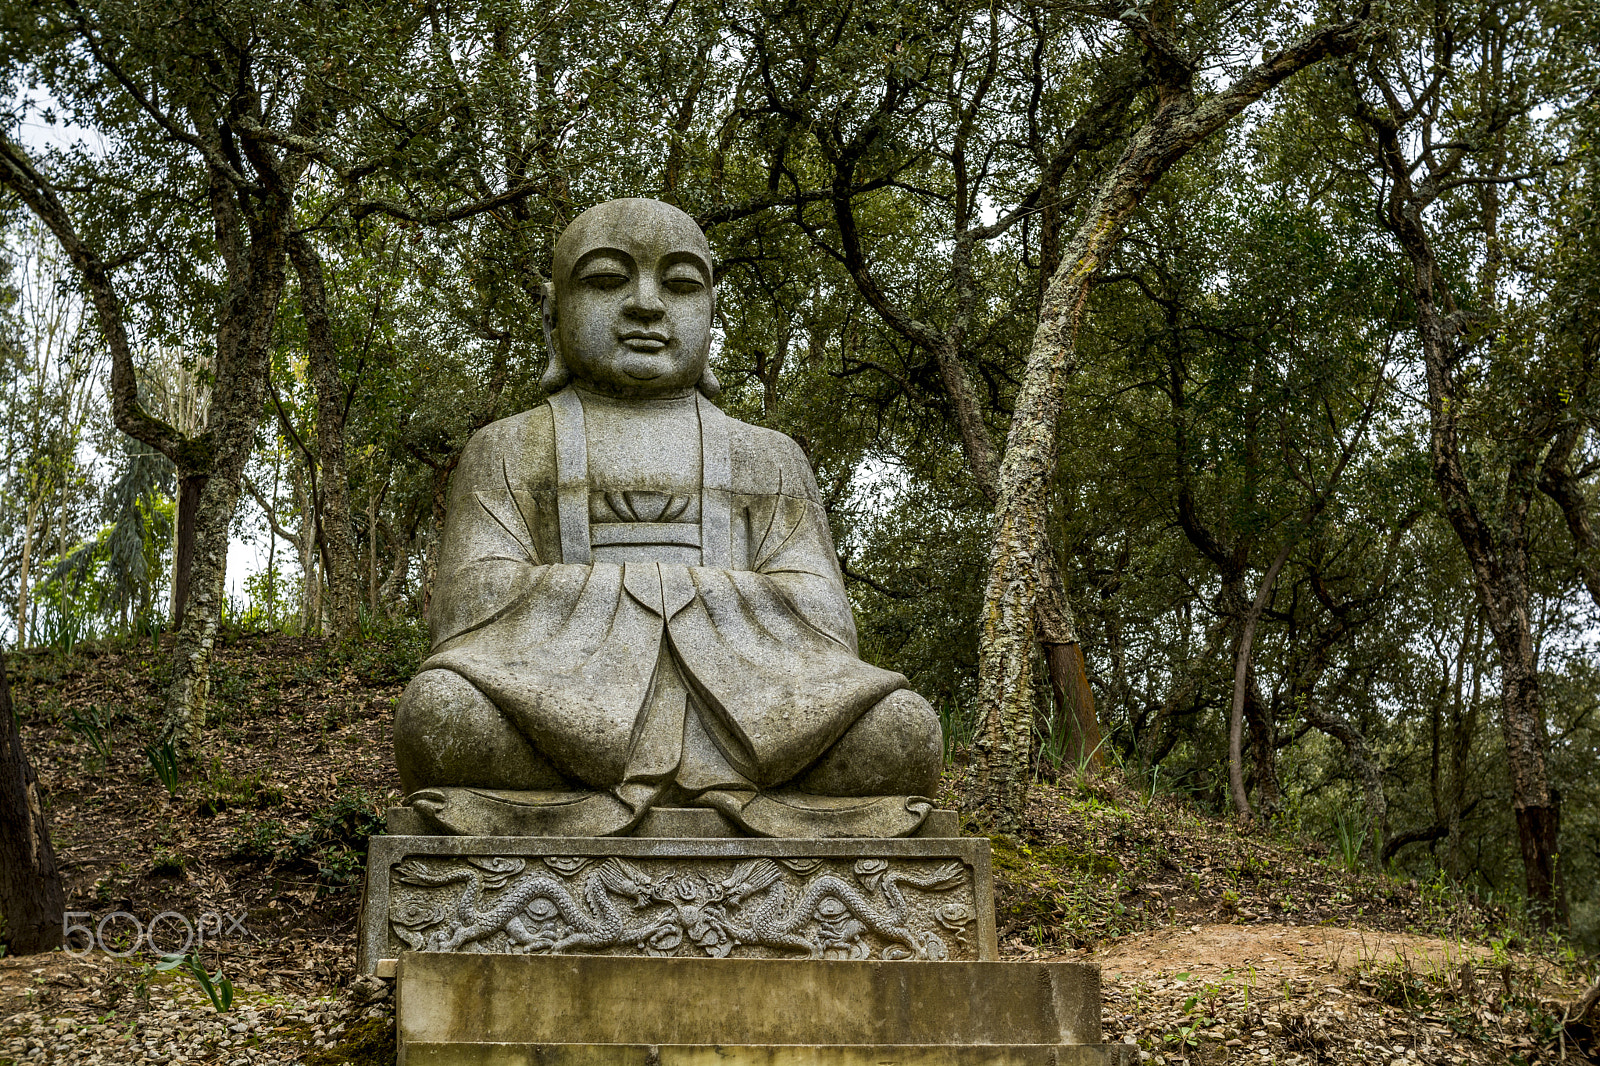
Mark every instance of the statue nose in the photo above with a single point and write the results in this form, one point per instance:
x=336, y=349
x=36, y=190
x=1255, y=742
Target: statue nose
x=645, y=301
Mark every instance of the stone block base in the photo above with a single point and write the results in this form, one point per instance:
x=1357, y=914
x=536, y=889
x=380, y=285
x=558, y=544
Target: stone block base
x=770, y=1055
x=460, y=1009
x=707, y=897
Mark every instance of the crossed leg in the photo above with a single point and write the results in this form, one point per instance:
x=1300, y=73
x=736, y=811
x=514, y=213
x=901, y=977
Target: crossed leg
x=448, y=734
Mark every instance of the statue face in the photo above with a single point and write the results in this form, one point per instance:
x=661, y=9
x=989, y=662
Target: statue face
x=633, y=299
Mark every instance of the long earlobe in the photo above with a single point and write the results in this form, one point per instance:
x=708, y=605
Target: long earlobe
x=708, y=383
x=556, y=375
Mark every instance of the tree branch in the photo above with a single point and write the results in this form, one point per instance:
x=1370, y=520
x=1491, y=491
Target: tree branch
x=18, y=173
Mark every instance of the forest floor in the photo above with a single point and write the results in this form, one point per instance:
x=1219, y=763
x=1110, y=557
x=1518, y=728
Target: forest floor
x=1215, y=946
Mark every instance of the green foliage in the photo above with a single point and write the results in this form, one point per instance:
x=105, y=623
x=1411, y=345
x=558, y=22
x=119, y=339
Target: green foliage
x=1059, y=896
x=92, y=724
x=166, y=763
x=335, y=843
x=221, y=792
x=167, y=863
x=217, y=986
x=385, y=652
x=332, y=846
x=258, y=840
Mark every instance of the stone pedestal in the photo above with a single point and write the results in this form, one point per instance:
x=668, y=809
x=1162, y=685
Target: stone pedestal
x=522, y=1010
x=704, y=949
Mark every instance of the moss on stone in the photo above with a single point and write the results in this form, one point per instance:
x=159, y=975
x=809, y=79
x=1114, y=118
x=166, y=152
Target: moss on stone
x=369, y=1043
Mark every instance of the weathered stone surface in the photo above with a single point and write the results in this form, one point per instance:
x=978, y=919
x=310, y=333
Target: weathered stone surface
x=708, y=897
x=674, y=822
x=638, y=603
x=614, y=1010
x=770, y=1055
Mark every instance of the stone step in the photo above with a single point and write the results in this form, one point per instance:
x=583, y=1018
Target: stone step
x=773, y=1010
x=425, y=1054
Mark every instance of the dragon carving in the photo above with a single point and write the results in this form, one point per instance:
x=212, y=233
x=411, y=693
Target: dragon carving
x=620, y=906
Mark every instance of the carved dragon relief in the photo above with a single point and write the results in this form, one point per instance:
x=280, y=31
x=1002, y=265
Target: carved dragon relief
x=761, y=907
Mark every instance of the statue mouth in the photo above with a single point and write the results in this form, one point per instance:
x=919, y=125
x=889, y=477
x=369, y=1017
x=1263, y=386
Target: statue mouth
x=644, y=340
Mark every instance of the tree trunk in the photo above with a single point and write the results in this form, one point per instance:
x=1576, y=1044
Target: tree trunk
x=244, y=343
x=189, y=488
x=332, y=484
x=1241, y=672
x=31, y=901
x=1005, y=683
x=1074, y=704
x=1537, y=805
x=392, y=591
x=1064, y=665
x=23, y=575
x=1496, y=549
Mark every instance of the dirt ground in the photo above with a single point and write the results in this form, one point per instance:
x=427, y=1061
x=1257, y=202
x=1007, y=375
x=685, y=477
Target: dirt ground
x=1319, y=994
x=1279, y=953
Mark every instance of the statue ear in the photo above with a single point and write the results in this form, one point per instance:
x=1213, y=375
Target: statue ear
x=556, y=375
x=708, y=383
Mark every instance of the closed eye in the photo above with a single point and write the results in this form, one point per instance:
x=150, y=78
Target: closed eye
x=605, y=279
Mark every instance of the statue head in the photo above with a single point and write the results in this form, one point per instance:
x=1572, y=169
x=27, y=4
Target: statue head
x=628, y=308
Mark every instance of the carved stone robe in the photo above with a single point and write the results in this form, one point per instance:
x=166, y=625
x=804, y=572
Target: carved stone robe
x=648, y=643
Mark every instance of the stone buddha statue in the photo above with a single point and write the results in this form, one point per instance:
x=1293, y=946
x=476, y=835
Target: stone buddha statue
x=638, y=603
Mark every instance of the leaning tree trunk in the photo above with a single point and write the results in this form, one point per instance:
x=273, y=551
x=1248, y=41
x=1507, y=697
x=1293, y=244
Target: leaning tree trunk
x=1064, y=666
x=1009, y=623
x=30, y=885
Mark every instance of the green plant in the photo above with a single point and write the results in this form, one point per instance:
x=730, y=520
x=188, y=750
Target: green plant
x=1352, y=838
x=92, y=725
x=166, y=862
x=383, y=652
x=217, y=987
x=956, y=728
x=258, y=840
x=65, y=624
x=335, y=843
x=350, y=819
x=164, y=760
x=220, y=792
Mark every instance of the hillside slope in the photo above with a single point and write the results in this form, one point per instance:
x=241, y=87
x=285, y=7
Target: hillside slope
x=1215, y=946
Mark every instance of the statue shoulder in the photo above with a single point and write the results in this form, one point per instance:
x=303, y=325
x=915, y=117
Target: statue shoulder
x=767, y=462
x=521, y=444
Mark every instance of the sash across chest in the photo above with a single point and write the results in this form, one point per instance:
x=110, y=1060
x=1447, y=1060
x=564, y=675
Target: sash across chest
x=713, y=536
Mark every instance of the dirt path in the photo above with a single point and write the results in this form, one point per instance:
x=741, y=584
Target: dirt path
x=1279, y=952
x=1314, y=995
